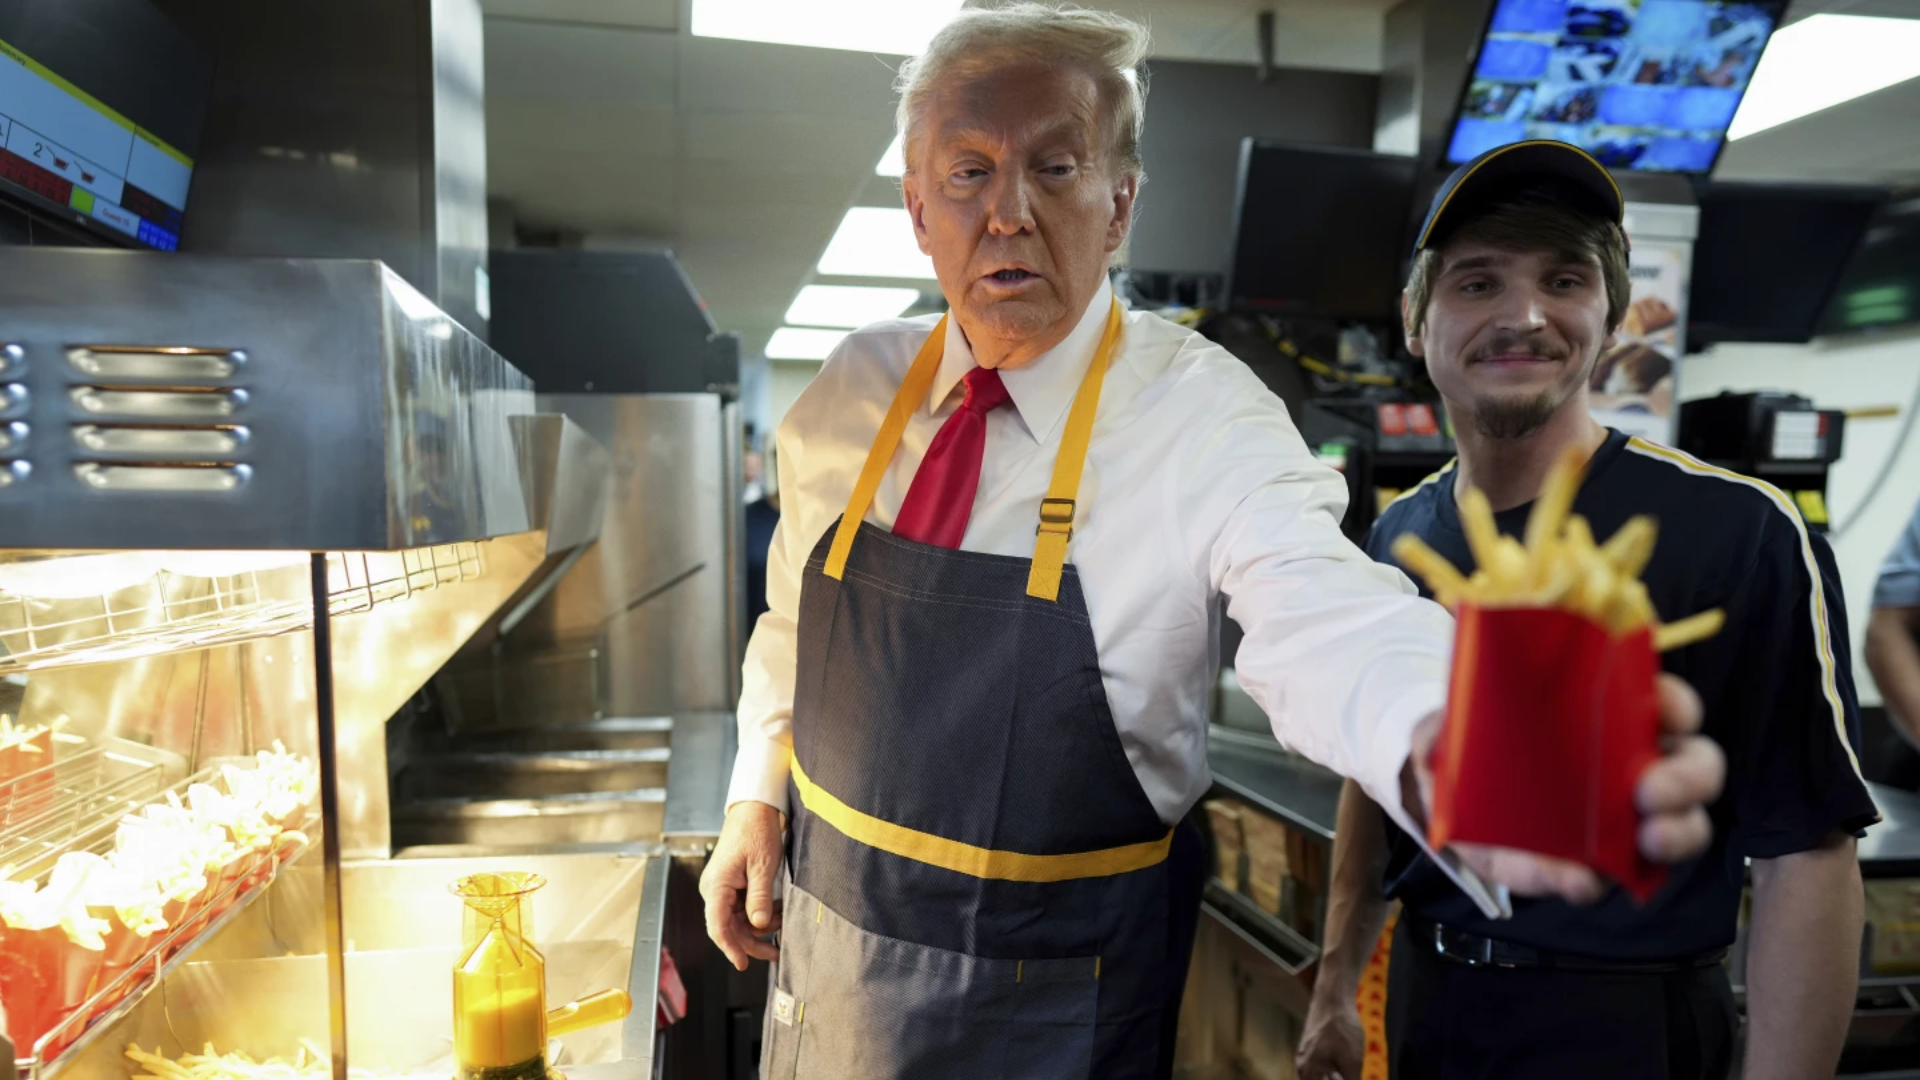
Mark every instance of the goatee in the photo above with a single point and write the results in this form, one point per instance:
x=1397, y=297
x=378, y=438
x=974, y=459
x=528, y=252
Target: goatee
x=1508, y=419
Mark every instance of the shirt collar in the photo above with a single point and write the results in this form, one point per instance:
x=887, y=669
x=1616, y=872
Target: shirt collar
x=1041, y=390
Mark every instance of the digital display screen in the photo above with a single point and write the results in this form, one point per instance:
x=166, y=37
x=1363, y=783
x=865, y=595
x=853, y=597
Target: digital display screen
x=1640, y=84
x=101, y=103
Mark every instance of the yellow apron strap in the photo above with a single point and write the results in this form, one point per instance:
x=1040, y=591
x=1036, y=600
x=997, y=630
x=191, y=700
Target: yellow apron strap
x=913, y=390
x=1056, y=510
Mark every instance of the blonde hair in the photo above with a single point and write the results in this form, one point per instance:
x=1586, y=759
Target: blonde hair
x=1109, y=47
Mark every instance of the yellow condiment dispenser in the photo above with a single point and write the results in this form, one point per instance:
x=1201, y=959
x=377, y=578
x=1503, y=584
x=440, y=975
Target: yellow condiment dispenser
x=500, y=1018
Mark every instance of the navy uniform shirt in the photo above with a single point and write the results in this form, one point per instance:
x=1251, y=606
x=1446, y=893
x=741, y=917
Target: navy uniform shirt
x=1776, y=682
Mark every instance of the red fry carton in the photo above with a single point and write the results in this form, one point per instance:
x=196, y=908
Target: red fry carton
x=1550, y=721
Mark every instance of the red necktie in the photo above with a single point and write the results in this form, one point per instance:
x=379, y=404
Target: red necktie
x=941, y=498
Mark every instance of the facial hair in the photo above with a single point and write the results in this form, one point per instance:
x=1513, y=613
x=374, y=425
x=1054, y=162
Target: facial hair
x=1508, y=419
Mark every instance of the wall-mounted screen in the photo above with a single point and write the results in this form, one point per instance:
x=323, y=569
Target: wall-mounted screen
x=101, y=103
x=1640, y=84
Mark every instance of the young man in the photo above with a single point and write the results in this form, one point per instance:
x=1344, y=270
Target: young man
x=1519, y=283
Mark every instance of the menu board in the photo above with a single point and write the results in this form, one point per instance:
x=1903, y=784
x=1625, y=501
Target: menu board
x=67, y=147
x=1640, y=84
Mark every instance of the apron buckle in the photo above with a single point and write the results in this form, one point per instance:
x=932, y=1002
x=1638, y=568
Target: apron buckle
x=1056, y=516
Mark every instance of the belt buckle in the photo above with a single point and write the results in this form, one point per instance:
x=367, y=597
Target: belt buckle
x=1481, y=955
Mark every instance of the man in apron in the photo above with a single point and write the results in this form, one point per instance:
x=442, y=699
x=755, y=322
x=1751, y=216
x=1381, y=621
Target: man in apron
x=978, y=702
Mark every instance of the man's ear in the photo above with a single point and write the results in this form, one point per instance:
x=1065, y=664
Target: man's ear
x=1415, y=344
x=916, y=209
x=1124, y=194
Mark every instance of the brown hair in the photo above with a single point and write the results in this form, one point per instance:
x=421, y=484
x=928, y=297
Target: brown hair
x=1532, y=220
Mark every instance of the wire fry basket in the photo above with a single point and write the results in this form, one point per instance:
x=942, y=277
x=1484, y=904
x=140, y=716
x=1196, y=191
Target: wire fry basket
x=166, y=612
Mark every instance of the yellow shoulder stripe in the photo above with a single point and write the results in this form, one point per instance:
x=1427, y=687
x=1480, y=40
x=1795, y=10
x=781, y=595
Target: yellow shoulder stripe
x=966, y=859
x=1822, y=628
x=1440, y=474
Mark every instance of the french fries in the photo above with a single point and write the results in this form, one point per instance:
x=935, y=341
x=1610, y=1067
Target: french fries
x=1559, y=566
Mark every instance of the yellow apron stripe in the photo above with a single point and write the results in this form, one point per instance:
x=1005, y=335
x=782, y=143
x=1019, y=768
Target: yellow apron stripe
x=1057, y=509
x=1019, y=970
x=913, y=389
x=966, y=859
x=1096, y=967
x=1822, y=632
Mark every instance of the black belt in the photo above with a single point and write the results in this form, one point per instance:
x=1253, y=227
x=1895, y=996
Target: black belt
x=1473, y=950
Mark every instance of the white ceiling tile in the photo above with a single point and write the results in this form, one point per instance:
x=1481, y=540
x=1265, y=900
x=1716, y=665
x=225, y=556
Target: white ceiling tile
x=519, y=126
x=650, y=14
x=550, y=62
x=752, y=76
x=775, y=140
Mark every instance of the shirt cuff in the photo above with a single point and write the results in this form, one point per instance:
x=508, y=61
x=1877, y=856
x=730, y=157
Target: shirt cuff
x=1395, y=732
x=760, y=772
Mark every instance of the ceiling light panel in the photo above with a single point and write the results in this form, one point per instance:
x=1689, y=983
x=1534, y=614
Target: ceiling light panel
x=797, y=343
x=900, y=27
x=875, y=241
x=894, y=161
x=848, y=306
x=1823, y=60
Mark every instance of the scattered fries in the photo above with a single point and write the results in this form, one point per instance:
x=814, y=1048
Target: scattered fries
x=1559, y=566
x=311, y=1063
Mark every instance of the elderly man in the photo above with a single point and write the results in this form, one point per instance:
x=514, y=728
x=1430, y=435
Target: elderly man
x=981, y=690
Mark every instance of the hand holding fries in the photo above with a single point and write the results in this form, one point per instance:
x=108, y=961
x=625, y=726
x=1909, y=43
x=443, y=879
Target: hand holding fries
x=1554, y=715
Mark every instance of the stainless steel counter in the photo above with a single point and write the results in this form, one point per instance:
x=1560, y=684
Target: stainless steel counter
x=1255, y=768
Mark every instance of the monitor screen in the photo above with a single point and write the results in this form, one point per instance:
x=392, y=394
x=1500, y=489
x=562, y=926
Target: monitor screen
x=101, y=103
x=1321, y=231
x=1881, y=286
x=1768, y=257
x=1640, y=84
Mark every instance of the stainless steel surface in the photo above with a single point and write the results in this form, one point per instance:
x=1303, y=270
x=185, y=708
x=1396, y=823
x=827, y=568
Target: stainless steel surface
x=564, y=472
x=653, y=595
x=526, y=776
x=704, y=744
x=611, y=817
x=736, y=537
x=373, y=421
x=616, y=733
x=346, y=128
x=1255, y=768
x=258, y=986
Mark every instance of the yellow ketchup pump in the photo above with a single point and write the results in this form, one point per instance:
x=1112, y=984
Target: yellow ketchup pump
x=500, y=1020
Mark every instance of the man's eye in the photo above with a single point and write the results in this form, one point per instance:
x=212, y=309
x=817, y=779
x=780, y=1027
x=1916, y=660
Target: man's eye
x=1058, y=170
x=1567, y=283
x=1476, y=286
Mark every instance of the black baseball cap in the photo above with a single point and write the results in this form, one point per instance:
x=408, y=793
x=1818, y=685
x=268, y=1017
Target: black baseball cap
x=1532, y=163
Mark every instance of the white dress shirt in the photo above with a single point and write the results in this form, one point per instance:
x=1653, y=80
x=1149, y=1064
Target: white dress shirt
x=1197, y=487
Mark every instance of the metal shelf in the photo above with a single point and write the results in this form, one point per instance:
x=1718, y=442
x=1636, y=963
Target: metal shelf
x=166, y=611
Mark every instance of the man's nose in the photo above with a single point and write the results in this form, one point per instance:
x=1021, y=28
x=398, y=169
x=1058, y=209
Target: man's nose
x=1524, y=310
x=1009, y=207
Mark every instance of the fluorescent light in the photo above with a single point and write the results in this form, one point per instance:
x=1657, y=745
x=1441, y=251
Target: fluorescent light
x=1823, y=60
x=894, y=161
x=850, y=306
x=875, y=241
x=902, y=27
x=794, y=343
